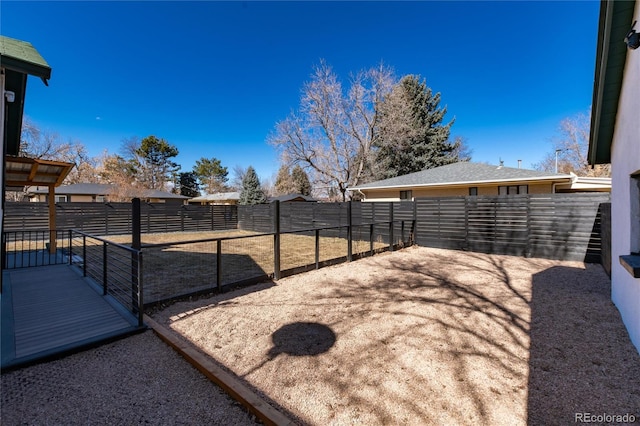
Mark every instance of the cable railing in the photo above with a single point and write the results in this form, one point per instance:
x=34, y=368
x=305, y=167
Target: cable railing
x=115, y=267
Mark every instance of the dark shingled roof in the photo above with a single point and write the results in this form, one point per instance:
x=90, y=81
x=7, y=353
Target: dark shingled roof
x=292, y=197
x=102, y=189
x=463, y=172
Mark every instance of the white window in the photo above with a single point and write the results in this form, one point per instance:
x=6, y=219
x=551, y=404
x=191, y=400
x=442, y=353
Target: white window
x=61, y=198
x=406, y=195
x=513, y=190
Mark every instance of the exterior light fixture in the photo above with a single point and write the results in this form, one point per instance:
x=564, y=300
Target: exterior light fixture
x=633, y=38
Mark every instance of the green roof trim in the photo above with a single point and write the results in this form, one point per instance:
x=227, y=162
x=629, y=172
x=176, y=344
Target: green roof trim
x=22, y=57
x=611, y=54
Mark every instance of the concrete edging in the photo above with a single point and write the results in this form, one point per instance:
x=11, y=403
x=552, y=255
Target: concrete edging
x=230, y=384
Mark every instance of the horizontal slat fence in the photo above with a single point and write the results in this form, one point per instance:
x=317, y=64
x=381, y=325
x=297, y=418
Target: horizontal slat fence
x=115, y=218
x=556, y=226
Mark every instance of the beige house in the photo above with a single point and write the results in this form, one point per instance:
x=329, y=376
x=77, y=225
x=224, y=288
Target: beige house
x=97, y=193
x=221, y=198
x=464, y=178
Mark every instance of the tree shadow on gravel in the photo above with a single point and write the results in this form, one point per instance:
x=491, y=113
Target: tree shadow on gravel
x=581, y=357
x=444, y=302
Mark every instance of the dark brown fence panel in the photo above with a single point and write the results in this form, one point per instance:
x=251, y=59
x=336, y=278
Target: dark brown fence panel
x=566, y=226
x=115, y=218
x=556, y=226
x=441, y=222
x=257, y=218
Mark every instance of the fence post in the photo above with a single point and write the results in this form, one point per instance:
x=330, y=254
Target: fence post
x=317, y=232
x=466, y=222
x=84, y=255
x=70, y=248
x=391, y=226
x=414, y=224
x=218, y=265
x=371, y=229
x=104, y=268
x=140, y=292
x=276, y=240
x=136, y=243
x=349, y=231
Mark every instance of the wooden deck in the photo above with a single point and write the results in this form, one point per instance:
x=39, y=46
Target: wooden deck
x=49, y=311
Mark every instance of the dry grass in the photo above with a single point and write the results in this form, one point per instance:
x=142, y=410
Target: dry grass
x=425, y=336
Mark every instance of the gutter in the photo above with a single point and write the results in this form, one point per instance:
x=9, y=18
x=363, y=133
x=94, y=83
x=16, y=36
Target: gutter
x=449, y=184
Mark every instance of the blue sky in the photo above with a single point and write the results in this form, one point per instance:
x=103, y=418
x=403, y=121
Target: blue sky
x=213, y=78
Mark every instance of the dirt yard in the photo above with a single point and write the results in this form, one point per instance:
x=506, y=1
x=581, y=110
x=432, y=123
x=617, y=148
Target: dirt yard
x=425, y=336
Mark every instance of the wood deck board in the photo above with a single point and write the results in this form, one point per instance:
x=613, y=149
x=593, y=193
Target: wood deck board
x=55, y=307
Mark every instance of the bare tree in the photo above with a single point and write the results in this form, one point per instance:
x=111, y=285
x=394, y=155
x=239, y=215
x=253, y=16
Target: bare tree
x=238, y=176
x=332, y=133
x=571, y=148
x=45, y=145
x=114, y=169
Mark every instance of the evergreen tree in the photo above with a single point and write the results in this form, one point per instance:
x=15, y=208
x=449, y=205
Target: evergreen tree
x=410, y=135
x=188, y=184
x=300, y=180
x=154, y=162
x=211, y=174
x=252, y=192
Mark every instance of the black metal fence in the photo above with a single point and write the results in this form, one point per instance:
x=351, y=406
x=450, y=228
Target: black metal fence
x=24, y=249
x=182, y=268
x=282, y=239
x=116, y=268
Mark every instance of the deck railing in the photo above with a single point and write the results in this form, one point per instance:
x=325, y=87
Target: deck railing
x=24, y=249
x=115, y=267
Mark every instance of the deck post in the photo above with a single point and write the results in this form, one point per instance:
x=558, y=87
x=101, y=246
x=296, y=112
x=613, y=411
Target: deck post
x=349, y=231
x=276, y=240
x=52, y=220
x=219, y=265
x=136, y=271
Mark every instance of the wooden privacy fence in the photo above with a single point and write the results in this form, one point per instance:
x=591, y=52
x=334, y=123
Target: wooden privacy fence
x=309, y=216
x=115, y=218
x=556, y=226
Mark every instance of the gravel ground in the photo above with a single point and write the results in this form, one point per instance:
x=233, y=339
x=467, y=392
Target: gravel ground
x=420, y=337
x=425, y=336
x=138, y=380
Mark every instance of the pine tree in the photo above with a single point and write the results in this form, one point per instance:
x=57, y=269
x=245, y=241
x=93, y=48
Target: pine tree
x=410, y=135
x=300, y=180
x=188, y=184
x=252, y=192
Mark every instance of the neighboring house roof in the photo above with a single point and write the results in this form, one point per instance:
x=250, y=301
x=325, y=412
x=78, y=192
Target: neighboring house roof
x=292, y=197
x=100, y=189
x=611, y=54
x=221, y=196
x=18, y=59
x=463, y=173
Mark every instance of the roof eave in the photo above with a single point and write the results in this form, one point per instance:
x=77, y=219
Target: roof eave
x=559, y=178
x=611, y=52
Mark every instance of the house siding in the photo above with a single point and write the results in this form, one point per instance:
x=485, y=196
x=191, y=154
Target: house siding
x=625, y=159
x=385, y=195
